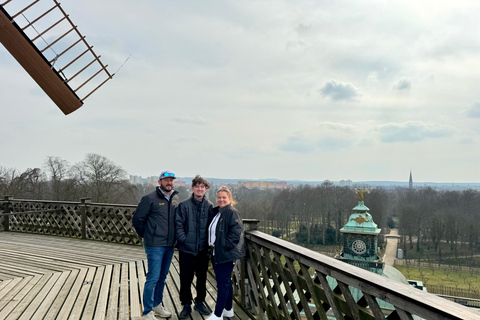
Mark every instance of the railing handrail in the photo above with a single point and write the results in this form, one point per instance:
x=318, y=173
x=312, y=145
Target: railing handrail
x=410, y=299
x=72, y=203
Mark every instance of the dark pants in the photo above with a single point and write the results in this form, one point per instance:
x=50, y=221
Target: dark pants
x=191, y=265
x=223, y=275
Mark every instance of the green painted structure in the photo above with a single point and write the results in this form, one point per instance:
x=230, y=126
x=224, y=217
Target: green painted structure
x=360, y=249
x=360, y=240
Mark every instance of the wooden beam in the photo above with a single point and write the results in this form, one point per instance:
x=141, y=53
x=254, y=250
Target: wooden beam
x=25, y=52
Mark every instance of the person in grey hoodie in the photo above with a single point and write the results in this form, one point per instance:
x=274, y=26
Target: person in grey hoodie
x=191, y=227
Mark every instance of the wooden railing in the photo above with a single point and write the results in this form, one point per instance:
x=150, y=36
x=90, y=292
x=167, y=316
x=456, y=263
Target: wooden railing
x=287, y=281
x=84, y=219
x=276, y=280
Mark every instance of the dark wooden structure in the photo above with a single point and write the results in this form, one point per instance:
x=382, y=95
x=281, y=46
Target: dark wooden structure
x=277, y=279
x=51, y=79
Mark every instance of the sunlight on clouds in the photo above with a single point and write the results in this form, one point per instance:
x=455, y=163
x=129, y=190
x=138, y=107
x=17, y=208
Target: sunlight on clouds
x=411, y=131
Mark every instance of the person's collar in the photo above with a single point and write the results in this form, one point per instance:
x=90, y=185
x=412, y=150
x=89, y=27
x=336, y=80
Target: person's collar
x=195, y=200
x=164, y=193
x=225, y=208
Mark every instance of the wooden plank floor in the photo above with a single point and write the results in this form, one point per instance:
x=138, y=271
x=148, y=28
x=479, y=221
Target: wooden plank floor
x=48, y=277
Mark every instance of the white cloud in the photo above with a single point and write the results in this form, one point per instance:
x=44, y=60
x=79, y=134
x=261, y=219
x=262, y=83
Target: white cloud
x=339, y=91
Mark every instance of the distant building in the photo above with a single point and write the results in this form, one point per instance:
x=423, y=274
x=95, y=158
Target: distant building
x=345, y=183
x=410, y=181
x=153, y=181
x=135, y=179
x=229, y=185
x=180, y=183
x=264, y=184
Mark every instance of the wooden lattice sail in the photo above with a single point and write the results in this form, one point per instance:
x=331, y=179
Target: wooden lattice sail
x=49, y=50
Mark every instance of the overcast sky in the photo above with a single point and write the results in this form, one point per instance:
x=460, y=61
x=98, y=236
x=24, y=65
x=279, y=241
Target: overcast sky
x=308, y=90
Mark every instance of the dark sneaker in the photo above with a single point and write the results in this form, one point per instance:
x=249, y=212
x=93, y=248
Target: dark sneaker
x=200, y=307
x=187, y=309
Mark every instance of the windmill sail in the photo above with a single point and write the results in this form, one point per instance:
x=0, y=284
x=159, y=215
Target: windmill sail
x=51, y=49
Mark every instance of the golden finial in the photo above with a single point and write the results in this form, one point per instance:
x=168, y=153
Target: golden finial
x=361, y=193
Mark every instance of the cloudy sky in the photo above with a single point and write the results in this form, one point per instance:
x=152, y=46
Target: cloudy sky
x=308, y=90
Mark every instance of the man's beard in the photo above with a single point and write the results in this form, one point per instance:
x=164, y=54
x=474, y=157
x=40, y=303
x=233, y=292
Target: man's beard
x=165, y=189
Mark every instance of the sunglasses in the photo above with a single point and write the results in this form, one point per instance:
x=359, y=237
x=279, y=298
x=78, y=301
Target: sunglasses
x=168, y=175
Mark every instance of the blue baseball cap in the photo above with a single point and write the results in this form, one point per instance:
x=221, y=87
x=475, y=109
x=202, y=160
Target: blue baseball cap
x=167, y=174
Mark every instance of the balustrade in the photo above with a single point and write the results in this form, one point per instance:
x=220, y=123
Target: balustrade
x=276, y=280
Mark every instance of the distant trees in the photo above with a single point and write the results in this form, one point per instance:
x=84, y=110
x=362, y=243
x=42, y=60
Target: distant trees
x=430, y=217
x=310, y=214
x=95, y=177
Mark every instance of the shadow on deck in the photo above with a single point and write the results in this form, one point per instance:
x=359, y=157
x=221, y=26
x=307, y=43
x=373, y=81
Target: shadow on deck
x=49, y=277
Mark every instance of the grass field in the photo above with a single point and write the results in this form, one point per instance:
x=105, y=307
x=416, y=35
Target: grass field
x=442, y=277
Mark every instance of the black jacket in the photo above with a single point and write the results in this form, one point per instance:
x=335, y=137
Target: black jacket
x=154, y=219
x=191, y=223
x=229, y=242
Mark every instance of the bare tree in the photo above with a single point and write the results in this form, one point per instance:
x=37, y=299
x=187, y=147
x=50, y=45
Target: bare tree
x=437, y=231
x=8, y=184
x=378, y=203
x=61, y=186
x=101, y=179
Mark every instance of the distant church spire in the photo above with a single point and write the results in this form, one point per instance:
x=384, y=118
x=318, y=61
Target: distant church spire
x=410, y=182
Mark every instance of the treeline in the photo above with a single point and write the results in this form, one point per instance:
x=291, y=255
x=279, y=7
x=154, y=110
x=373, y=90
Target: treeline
x=426, y=218
x=95, y=177
x=310, y=214
x=429, y=219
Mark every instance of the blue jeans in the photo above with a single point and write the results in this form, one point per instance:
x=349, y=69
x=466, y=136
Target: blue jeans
x=159, y=259
x=223, y=275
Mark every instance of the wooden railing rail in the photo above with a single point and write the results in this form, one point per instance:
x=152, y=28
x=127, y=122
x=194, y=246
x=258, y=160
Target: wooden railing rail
x=287, y=281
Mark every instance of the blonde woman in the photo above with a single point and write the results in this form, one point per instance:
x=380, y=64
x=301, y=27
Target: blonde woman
x=225, y=238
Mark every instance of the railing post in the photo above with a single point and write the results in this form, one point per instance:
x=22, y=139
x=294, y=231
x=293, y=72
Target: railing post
x=85, y=203
x=6, y=210
x=248, y=225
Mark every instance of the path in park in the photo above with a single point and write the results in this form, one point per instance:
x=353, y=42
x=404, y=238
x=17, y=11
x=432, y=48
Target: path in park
x=391, y=249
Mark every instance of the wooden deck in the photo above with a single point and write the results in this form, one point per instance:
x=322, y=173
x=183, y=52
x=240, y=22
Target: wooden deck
x=48, y=277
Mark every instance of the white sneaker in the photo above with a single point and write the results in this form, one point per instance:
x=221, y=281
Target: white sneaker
x=228, y=313
x=161, y=311
x=149, y=316
x=214, y=317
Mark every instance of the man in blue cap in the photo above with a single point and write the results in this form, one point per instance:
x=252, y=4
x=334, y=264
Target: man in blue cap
x=154, y=221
